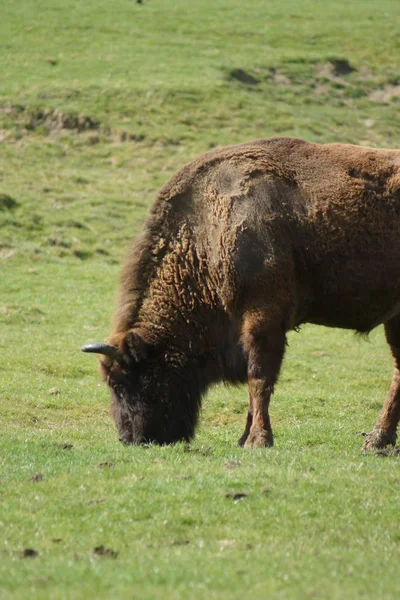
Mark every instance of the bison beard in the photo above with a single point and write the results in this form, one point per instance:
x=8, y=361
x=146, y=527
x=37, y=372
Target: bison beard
x=242, y=245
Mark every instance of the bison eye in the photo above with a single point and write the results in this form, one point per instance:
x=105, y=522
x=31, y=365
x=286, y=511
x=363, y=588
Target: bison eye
x=116, y=378
x=116, y=386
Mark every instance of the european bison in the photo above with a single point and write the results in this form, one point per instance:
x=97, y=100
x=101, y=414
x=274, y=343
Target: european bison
x=242, y=245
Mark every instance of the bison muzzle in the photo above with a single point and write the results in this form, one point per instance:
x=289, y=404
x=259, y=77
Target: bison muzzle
x=242, y=245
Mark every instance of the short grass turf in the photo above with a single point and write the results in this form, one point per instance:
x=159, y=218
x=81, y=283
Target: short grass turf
x=99, y=104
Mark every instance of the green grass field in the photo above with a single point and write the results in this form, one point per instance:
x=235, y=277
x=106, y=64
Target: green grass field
x=100, y=102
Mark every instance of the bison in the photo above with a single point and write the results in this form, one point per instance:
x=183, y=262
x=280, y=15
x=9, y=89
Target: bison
x=242, y=245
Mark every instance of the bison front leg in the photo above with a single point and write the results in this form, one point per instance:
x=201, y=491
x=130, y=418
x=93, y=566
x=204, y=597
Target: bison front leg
x=384, y=433
x=264, y=346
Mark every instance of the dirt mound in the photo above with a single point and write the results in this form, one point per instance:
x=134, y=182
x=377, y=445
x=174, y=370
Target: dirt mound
x=55, y=120
x=243, y=77
x=25, y=120
x=340, y=67
x=279, y=78
x=335, y=69
x=7, y=202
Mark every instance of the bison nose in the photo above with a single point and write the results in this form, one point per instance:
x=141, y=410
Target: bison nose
x=126, y=438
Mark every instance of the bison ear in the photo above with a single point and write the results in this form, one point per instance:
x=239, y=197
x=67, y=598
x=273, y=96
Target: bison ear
x=135, y=346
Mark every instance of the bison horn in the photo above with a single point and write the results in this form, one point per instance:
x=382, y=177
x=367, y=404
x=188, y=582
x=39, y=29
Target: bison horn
x=105, y=349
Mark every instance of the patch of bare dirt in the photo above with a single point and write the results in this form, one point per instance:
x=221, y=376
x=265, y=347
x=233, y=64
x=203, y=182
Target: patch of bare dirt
x=27, y=553
x=126, y=136
x=322, y=89
x=52, y=121
x=102, y=551
x=332, y=73
x=273, y=74
x=341, y=67
x=236, y=496
x=328, y=72
x=6, y=253
x=223, y=544
x=387, y=94
x=14, y=109
x=232, y=464
x=55, y=120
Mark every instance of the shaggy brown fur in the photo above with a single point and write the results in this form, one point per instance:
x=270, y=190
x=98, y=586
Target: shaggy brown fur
x=242, y=245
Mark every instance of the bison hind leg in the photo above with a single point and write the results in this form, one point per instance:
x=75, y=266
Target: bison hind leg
x=384, y=433
x=378, y=439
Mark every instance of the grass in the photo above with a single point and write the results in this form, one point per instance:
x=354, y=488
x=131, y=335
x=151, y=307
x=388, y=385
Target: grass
x=99, y=105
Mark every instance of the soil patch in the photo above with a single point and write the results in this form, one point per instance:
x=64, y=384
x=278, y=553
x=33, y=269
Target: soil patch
x=274, y=75
x=387, y=94
x=52, y=121
x=232, y=464
x=180, y=543
x=243, y=77
x=335, y=70
x=102, y=551
x=341, y=67
x=55, y=120
x=236, y=496
x=27, y=553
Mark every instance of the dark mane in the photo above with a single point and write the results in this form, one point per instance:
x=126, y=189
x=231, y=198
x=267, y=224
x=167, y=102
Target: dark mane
x=135, y=275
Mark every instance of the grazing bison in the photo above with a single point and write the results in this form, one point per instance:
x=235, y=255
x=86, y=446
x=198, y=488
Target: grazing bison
x=242, y=245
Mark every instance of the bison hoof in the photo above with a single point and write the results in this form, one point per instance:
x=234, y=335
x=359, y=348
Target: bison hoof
x=378, y=439
x=242, y=440
x=259, y=439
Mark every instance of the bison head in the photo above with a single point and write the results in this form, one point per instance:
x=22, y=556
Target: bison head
x=153, y=398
